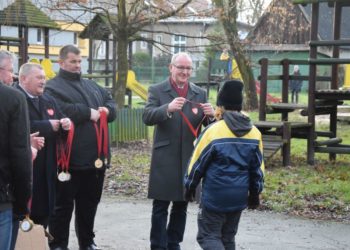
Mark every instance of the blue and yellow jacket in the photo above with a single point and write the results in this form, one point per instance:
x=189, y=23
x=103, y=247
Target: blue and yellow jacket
x=228, y=156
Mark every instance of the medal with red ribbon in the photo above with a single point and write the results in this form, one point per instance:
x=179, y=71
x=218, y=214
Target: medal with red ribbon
x=102, y=138
x=63, y=151
x=193, y=130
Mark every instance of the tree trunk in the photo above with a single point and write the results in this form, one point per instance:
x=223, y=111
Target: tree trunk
x=119, y=90
x=228, y=18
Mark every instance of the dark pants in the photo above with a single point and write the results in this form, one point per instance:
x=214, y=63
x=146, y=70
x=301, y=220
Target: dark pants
x=84, y=190
x=166, y=235
x=295, y=96
x=216, y=231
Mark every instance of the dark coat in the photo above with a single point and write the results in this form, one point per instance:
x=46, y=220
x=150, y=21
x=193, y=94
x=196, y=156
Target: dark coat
x=75, y=96
x=295, y=85
x=173, y=140
x=45, y=164
x=15, y=153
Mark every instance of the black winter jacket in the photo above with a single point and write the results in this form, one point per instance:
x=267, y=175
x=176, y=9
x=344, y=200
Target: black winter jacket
x=75, y=96
x=15, y=152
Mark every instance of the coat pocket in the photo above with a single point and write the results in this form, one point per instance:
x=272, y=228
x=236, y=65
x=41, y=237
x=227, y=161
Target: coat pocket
x=161, y=144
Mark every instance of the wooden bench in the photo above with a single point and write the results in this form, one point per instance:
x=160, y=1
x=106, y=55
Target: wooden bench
x=277, y=135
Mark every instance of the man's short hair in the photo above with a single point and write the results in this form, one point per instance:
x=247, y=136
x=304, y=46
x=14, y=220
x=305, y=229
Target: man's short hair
x=4, y=54
x=68, y=49
x=175, y=56
x=27, y=68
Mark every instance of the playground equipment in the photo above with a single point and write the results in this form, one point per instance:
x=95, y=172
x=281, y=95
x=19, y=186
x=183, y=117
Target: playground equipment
x=135, y=86
x=46, y=63
x=347, y=77
x=320, y=102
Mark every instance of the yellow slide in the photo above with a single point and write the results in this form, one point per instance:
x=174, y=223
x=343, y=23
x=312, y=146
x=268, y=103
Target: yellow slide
x=135, y=86
x=46, y=63
x=347, y=76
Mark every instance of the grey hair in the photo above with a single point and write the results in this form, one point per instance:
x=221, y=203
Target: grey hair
x=68, y=49
x=184, y=54
x=27, y=68
x=4, y=54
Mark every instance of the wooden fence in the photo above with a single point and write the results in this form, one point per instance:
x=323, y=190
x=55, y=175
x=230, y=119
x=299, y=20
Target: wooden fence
x=128, y=126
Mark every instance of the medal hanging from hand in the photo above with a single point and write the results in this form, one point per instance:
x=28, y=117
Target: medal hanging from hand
x=63, y=150
x=193, y=130
x=102, y=137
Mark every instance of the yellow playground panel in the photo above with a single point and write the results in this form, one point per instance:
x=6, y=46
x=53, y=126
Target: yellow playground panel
x=46, y=63
x=135, y=86
x=347, y=76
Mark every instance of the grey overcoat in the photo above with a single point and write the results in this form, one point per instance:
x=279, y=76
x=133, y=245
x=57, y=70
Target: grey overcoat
x=173, y=140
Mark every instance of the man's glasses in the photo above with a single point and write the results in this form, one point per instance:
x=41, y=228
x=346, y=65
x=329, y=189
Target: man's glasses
x=183, y=68
x=8, y=70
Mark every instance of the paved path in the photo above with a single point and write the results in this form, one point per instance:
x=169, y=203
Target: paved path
x=124, y=225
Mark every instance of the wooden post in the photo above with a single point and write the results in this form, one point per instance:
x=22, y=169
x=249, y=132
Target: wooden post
x=286, y=136
x=90, y=54
x=312, y=84
x=208, y=77
x=107, y=63
x=334, y=76
x=285, y=83
x=263, y=88
x=114, y=64
x=46, y=42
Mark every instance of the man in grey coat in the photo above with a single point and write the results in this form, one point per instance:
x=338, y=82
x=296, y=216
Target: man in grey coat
x=177, y=108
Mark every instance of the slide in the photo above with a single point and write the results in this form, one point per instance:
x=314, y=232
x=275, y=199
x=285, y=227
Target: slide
x=135, y=86
x=347, y=76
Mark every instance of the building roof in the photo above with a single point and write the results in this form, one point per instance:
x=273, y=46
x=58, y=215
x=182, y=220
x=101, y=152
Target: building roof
x=24, y=13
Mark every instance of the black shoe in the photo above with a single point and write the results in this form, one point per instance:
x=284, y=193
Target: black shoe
x=59, y=248
x=90, y=247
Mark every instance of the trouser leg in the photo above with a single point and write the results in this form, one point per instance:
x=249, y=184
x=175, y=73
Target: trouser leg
x=158, y=235
x=177, y=224
x=6, y=229
x=209, y=235
x=62, y=213
x=86, y=202
x=229, y=230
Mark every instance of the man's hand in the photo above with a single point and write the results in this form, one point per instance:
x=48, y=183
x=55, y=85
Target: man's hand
x=94, y=115
x=253, y=201
x=103, y=109
x=190, y=194
x=208, y=109
x=176, y=104
x=65, y=123
x=36, y=141
x=55, y=124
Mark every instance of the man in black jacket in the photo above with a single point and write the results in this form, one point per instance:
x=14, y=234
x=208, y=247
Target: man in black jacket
x=15, y=153
x=84, y=102
x=47, y=119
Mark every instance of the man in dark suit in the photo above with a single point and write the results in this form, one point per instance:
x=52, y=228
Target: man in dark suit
x=89, y=106
x=177, y=108
x=15, y=153
x=45, y=118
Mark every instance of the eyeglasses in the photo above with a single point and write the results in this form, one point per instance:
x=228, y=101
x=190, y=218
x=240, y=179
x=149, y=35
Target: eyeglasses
x=8, y=70
x=183, y=68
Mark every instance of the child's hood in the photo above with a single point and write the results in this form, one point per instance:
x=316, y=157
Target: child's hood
x=238, y=122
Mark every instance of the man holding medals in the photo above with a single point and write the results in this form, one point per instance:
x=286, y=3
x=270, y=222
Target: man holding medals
x=90, y=107
x=177, y=108
x=46, y=119
x=15, y=153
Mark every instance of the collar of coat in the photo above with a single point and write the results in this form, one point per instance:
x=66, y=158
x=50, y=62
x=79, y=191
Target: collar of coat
x=69, y=75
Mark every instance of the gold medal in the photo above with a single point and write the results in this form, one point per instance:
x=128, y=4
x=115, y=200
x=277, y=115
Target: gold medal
x=62, y=176
x=27, y=224
x=98, y=163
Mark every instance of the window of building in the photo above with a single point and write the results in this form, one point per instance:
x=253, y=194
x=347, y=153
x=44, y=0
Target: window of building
x=75, y=38
x=143, y=44
x=159, y=38
x=39, y=35
x=179, y=43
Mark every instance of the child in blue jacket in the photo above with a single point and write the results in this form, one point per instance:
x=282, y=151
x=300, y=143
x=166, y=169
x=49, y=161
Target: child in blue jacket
x=228, y=156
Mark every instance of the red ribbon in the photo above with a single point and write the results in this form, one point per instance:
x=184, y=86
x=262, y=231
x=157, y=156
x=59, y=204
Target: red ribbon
x=102, y=135
x=64, y=149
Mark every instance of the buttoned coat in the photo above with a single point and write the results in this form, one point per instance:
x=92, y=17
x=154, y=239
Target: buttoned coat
x=45, y=164
x=173, y=140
